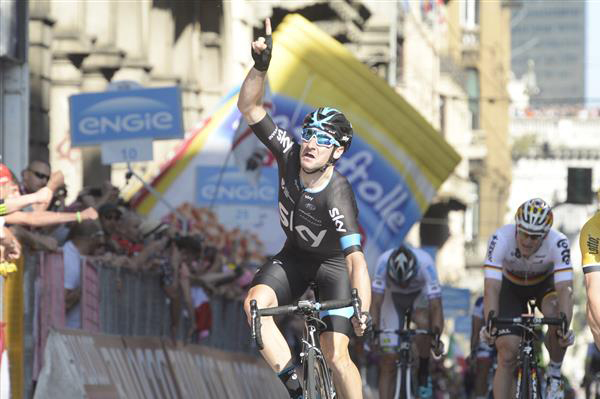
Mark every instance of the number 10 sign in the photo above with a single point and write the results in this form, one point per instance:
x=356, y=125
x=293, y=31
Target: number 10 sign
x=136, y=150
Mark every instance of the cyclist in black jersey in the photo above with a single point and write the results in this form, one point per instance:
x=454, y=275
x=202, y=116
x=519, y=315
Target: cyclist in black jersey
x=319, y=215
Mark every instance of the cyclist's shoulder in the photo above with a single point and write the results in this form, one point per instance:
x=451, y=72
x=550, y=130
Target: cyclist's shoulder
x=592, y=226
x=556, y=238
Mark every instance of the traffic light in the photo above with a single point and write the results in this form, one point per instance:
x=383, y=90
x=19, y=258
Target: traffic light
x=579, y=186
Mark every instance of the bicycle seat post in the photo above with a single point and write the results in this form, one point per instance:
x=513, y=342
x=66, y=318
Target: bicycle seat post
x=531, y=303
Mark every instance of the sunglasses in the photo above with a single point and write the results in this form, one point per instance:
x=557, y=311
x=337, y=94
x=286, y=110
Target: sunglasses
x=323, y=139
x=532, y=237
x=40, y=175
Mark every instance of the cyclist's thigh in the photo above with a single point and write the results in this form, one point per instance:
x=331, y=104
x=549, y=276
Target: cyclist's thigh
x=283, y=275
x=421, y=311
x=333, y=282
x=512, y=303
x=547, y=299
x=507, y=347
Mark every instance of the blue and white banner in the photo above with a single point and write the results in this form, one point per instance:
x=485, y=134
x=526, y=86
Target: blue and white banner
x=124, y=115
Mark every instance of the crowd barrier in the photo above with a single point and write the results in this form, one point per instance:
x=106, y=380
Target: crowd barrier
x=113, y=301
x=80, y=364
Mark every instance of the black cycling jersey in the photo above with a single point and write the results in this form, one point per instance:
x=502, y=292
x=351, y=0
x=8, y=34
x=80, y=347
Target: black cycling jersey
x=322, y=221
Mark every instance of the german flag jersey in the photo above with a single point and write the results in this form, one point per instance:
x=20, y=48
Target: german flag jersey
x=503, y=258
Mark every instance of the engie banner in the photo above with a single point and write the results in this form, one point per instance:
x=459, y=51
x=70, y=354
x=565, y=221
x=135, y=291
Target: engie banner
x=395, y=164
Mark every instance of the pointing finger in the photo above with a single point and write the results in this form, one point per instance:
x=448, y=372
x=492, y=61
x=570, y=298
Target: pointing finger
x=268, y=26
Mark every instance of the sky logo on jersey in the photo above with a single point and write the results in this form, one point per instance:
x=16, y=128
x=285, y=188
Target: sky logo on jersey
x=286, y=141
x=336, y=217
x=231, y=187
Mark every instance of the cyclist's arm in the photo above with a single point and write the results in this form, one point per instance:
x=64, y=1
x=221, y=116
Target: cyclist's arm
x=564, y=289
x=436, y=315
x=359, y=277
x=375, y=310
x=491, y=296
x=492, y=269
x=250, y=100
x=592, y=285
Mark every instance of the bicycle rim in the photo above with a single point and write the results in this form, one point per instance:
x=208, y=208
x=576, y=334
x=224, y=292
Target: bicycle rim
x=522, y=390
x=403, y=388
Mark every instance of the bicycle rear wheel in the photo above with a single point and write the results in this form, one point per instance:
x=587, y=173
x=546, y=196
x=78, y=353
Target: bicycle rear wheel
x=318, y=383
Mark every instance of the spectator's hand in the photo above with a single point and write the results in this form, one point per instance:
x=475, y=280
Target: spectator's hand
x=44, y=195
x=567, y=339
x=89, y=214
x=56, y=180
x=11, y=247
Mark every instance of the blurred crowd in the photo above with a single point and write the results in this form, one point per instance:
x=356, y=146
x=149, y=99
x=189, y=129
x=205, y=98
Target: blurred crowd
x=190, y=252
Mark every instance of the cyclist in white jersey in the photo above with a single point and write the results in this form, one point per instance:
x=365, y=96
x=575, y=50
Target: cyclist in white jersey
x=528, y=260
x=406, y=278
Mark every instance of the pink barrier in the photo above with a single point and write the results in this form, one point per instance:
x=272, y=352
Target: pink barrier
x=51, y=301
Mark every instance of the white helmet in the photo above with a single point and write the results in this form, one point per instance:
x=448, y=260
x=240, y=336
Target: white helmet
x=534, y=217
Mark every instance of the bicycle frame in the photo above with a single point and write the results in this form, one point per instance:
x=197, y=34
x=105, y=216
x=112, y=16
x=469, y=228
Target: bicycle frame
x=317, y=375
x=528, y=379
x=404, y=365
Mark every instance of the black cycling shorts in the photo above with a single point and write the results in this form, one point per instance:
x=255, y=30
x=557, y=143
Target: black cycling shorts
x=514, y=298
x=290, y=272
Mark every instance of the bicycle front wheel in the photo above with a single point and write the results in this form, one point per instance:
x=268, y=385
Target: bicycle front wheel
x=318, y=384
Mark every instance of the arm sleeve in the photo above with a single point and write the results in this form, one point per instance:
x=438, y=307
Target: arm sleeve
x=494, y=256
x=277, y=140
x=432, y=284
x=563, y=271
x=344, y=217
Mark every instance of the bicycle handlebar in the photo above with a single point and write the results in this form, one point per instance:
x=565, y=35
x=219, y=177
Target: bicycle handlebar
x=304, y=307
x=528, y=320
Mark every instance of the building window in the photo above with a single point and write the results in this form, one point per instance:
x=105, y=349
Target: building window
x=469, y=13
x=473, y=94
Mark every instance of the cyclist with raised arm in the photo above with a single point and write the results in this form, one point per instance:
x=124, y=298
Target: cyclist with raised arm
x=528, y=260
x=406, y=278
x=319, y=216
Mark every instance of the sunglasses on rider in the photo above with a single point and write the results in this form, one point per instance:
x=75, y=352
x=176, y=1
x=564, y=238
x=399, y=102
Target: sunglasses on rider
x=532, y=237
x=323, y=139
x=40, y=175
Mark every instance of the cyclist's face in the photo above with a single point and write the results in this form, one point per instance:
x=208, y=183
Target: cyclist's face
x=528, y=243
x=314, y=155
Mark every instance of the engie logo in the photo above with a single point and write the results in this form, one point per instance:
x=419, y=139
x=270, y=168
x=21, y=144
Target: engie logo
x=231, y=187
x=127, y=114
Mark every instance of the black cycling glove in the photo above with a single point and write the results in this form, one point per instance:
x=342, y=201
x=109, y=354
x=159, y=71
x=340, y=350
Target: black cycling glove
x=262, y=60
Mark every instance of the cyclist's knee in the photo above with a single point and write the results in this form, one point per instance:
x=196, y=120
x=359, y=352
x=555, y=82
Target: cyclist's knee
x=264, y=295
x=508, y=348
x=336, y=353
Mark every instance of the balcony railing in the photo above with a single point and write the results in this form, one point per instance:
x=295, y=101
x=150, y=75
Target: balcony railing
x=470, y=45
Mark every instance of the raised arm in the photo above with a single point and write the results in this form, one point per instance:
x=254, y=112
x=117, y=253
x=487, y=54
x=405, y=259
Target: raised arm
x=250, y=100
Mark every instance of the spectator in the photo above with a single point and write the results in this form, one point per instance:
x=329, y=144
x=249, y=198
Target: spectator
x=36, y=176
x=82, y=240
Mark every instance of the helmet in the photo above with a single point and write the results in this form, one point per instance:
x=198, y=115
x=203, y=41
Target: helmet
x=534, y=217
x=332, y=121
x=402, y=265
